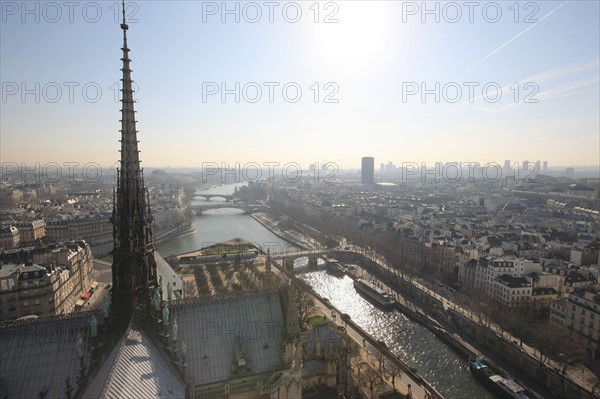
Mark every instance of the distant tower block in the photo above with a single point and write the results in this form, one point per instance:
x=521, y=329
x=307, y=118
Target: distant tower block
x=367, y=170
x=570, y=172
x=312, y=260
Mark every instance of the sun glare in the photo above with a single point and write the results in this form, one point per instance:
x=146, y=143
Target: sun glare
x=358, y=41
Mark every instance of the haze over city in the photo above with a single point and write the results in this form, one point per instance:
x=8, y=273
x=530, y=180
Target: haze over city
x=375, y=64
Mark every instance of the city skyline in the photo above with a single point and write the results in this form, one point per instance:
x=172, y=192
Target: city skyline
x=375, y=61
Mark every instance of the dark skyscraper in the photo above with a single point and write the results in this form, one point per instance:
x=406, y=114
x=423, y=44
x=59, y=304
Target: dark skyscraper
x=134, y=266
x=367, y=170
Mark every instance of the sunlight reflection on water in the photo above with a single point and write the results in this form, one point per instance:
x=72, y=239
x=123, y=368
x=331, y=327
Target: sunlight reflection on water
x=417, y=346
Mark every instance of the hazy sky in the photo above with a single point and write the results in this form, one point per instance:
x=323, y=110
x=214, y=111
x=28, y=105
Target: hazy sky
x=376, y=61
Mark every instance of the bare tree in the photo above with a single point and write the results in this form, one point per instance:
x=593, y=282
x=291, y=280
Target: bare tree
x=545, y=336
x=502, y=314
x=596, y=370
x=480, y=304
x=393, y=370
x=572, y=350
x=512, y=319
x=304, y=301
x=380, y=357
x=374, y=381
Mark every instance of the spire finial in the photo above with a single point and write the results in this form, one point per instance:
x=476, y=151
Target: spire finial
x=124, y=25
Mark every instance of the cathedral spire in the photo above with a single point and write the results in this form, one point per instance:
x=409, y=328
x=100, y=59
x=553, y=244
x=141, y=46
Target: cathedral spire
x=134, y=267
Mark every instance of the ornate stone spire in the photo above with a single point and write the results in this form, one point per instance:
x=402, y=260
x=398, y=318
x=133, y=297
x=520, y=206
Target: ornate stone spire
x=134, y=267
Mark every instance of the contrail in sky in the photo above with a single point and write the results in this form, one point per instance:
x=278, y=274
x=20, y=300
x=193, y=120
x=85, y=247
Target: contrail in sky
x=514, y=38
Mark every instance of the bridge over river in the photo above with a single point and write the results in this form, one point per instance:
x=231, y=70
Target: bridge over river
x=247, y=208
x=208, y=197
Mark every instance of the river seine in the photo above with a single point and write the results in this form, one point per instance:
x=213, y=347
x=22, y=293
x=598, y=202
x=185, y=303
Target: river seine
x=414, y=344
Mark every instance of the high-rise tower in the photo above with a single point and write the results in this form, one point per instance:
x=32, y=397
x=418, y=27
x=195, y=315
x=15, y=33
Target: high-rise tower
x=367, y=170
x=134, y=267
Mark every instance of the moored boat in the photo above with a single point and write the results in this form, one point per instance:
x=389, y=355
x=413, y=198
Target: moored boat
x=502, y=386
x=376, y=294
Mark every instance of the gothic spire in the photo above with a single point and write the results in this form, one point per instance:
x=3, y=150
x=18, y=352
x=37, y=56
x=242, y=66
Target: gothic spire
x=134, y=267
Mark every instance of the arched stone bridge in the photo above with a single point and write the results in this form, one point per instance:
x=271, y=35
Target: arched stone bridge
x=289, y=257
x=208, y=197
x=198, y=209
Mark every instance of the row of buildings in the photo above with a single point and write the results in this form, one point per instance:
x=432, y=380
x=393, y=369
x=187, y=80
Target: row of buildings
x=44, y=281
x=22, y=234
x=527, y=244
x=86, y=216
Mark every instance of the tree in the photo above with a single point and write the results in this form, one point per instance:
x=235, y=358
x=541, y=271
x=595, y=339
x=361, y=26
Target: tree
x=480, y=305
x=503, y=316
x=596, y=370
x=513, y=319
x=572, y=350
x=374, y=381
x=304, y=301
x=393, y=370
x=380, y=361
x=545, y=342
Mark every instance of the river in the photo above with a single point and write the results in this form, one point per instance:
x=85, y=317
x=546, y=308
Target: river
x=418, y=347
x=218, y=225
x=414, y=344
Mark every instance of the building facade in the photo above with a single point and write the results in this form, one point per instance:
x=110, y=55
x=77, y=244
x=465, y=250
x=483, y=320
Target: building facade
x=96, y=230
x=31, y=232
x=512, y=291
x=9, y=237
x=51, y=285
x=580, y=313
x=490, y=268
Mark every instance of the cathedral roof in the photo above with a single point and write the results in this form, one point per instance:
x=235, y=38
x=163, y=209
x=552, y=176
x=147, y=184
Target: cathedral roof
x=37, y=355
x=215, y=329
x=135, y=369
